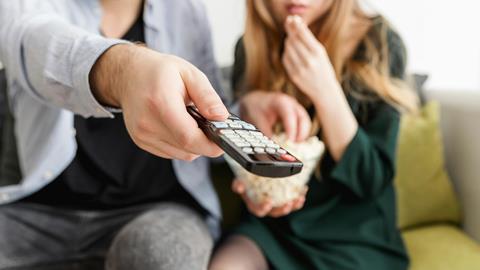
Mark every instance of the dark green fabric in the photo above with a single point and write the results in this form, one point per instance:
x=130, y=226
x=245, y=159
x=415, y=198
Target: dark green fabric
x=9, y=164
x=349, y=218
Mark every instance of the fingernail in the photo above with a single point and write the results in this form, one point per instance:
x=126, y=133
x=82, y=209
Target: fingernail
x=297, y=19
x=218, y=111
x=289, y=19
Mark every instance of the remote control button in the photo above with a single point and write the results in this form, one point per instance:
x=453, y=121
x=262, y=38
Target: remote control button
x=249, y=126
x=227, y=131
x=231, y=133
x=253, y=141
x=287, y=157
x=242, y=144
x=241, y=132
x=273, y=145
x=219, y=124
x=249, y=138
x=234, y=125
x=229, y=121
x=266, y=141
x=259, y=150
x=237, y=140
x=281, y=151
x=248, y=150
x=271, y=150
x=258, y=145
x=233, y=137
x=256, y=134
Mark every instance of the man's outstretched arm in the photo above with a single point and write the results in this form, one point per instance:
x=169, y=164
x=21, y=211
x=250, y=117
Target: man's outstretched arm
x=60, y=64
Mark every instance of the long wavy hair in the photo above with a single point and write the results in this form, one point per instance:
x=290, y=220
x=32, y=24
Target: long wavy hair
x=264, y=38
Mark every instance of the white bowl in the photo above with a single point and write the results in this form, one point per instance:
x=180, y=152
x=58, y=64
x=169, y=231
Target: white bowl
x=285, y=189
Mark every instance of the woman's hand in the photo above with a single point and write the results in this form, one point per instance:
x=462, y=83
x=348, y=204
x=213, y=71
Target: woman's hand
x=308, y=66
x=266, y=208
x=306, y=61
x=264, y=110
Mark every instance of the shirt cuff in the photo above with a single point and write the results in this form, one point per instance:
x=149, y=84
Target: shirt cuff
x=342, y=170
x=81, y=74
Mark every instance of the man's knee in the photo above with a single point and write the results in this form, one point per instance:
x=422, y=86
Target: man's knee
x=168, y=237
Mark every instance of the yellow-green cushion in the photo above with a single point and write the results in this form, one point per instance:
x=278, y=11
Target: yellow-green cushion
x=441, y=247
x=424, y=191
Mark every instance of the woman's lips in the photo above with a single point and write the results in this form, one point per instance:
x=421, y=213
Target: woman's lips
x=296, y=9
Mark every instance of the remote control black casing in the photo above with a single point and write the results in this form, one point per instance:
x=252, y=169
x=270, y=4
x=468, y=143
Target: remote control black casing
x=263, y=164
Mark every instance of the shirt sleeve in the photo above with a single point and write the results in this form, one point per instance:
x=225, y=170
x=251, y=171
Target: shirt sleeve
x=51, y=58
x=368, y=164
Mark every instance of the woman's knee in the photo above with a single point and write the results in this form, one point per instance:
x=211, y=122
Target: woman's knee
x=167, y=237
x=238, y=253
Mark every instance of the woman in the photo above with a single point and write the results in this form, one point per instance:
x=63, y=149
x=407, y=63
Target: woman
x=345, y=68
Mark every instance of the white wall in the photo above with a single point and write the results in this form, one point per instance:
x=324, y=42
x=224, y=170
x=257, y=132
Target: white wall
x=227, y=20
x=442, y=36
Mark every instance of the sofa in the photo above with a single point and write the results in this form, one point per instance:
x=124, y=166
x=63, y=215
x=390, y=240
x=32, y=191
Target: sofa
x=443, y=245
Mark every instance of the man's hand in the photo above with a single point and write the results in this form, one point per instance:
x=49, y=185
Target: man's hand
x=265, y=208
x=264, y=110
x=153, y=90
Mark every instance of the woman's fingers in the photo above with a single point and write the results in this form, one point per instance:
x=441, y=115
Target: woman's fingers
x=295, y=55
x=266, y=208
x=286, y=109
x=304, y=124
x=259, y=210
x=293, y=206
x=238, y=186
x=298, y=50
x=297, y=29
x=281, y=211
x=290, y=59
x=298, y=204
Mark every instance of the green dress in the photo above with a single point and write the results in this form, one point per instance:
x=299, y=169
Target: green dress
x=349, y=218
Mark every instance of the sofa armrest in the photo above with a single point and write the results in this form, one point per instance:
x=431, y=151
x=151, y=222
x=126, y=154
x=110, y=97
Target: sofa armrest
x=460, y=121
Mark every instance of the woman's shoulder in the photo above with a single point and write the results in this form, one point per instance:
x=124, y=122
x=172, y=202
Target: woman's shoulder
x=239, y=66
x=383, y=30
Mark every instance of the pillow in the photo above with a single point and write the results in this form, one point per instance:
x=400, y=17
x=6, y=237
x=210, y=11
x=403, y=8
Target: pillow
x=424, y=192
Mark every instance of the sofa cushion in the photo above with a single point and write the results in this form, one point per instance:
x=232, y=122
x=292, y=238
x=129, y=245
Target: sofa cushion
x=424, y=192
x=441, y=247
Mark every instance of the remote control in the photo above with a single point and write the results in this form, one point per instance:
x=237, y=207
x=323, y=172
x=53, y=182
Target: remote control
x=248, y=146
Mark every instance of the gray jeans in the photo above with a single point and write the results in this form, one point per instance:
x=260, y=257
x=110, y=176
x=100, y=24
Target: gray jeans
x=160, y=236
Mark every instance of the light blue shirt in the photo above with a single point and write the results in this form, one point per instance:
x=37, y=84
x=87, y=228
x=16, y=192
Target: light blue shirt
x=48, y=48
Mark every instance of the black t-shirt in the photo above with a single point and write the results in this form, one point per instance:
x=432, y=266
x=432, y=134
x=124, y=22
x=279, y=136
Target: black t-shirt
x=109, y=170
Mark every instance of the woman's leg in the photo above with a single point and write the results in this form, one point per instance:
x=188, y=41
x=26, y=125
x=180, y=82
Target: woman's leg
x=238, y=253
x=168, y=237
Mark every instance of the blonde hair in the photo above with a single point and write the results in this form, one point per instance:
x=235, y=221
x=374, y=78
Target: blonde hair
x=263, y=42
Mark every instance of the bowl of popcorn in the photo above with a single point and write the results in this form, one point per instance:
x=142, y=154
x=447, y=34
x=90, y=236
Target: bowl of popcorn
x=285, y=189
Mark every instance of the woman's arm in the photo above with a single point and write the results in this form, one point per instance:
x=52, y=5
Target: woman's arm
x=362, y=158
x=309, y=67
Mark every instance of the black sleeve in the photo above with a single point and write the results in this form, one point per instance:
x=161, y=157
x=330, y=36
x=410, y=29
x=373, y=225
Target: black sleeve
x=397, y=55
x=239, y=67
